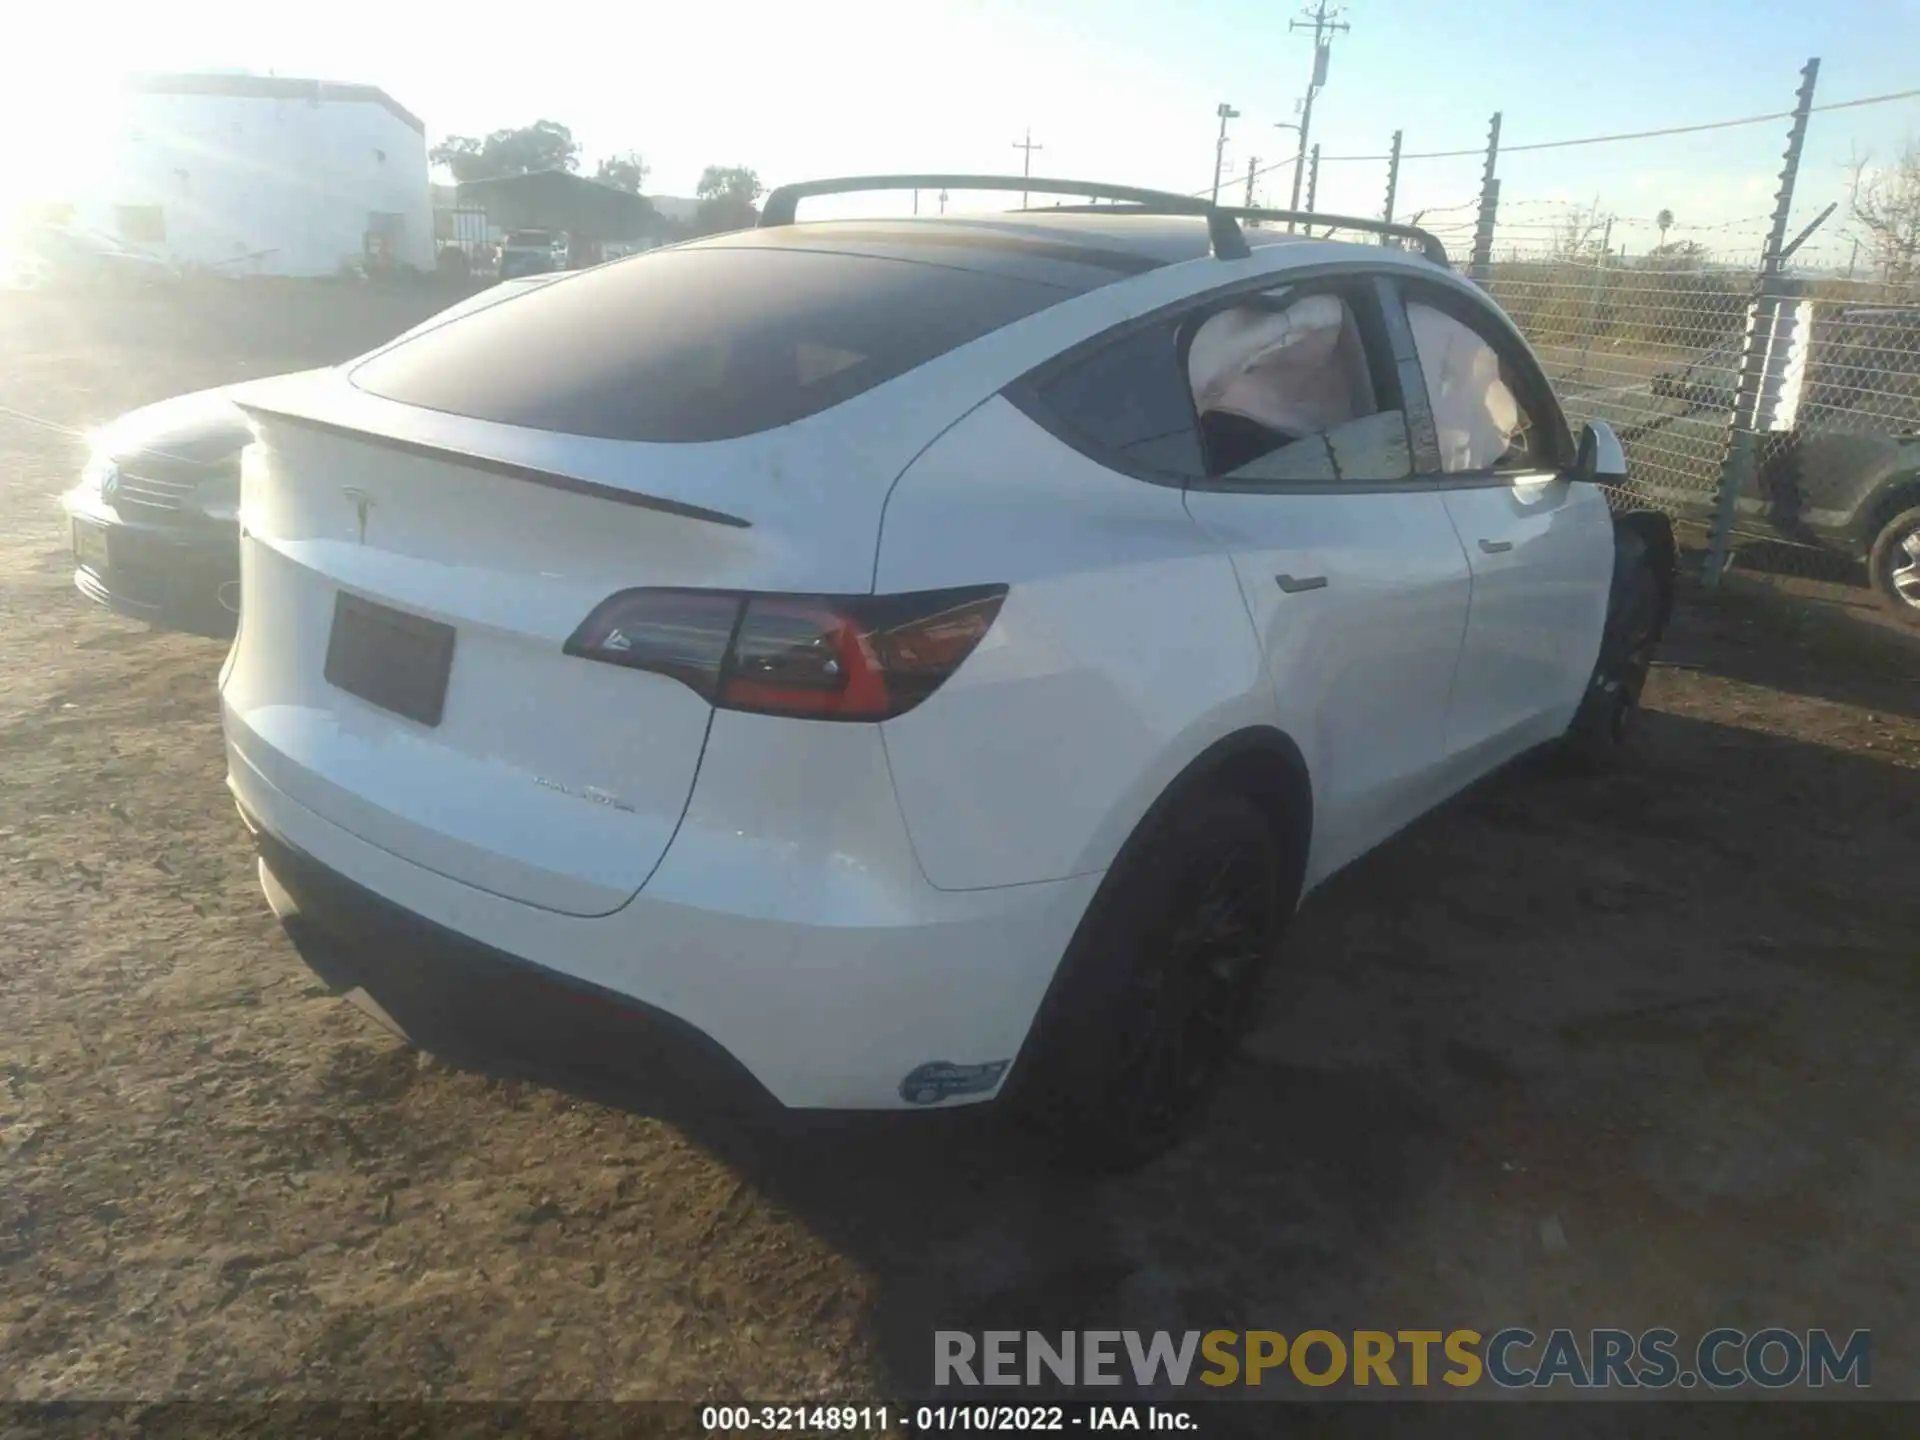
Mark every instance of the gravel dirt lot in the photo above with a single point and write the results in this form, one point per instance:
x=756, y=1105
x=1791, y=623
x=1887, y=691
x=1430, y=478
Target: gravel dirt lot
x=1631, y=1052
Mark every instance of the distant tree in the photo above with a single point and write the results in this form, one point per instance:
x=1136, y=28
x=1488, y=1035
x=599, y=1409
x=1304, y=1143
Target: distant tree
x=626, y=170
x=727, y=194
x=543, y=145
x=1886, y=203
x=1677, y=255
x=1663, y=222
x=1579, y=235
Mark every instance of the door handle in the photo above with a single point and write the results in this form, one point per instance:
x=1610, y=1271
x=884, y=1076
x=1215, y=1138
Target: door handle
x=1496, y=547
x=1293, y=585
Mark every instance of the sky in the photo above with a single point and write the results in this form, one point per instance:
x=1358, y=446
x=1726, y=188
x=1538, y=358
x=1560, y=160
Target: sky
x=1117, y=90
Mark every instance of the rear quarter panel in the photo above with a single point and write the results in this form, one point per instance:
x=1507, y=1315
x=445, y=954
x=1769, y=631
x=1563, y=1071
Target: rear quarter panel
x=1123, y=651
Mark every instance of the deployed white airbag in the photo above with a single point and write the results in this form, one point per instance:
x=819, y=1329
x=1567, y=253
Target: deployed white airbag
x=1281, y=368
x=1474, y=413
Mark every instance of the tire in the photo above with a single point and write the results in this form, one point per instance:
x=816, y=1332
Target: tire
x=1893, y=564
x=1597, y=738
x=1157, y=984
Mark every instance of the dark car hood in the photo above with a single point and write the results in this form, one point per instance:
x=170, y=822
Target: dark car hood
x=203, y=428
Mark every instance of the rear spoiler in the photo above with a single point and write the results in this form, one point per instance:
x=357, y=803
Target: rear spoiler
x=551, y=479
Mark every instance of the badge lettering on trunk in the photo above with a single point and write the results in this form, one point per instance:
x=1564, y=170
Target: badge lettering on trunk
x=362, y=503
x=585, y=792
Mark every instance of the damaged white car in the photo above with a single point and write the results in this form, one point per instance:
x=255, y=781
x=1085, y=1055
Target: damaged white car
x=923, y=660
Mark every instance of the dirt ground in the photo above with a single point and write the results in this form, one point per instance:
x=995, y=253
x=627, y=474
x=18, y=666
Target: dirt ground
x=1630, y=1052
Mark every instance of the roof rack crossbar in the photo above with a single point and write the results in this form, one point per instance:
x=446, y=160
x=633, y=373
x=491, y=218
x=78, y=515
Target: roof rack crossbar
x=1429, y=242
x=1223, y=231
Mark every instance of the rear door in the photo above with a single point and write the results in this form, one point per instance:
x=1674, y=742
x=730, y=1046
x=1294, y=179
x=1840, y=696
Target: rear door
x=1351, y=573
x=1540, y=545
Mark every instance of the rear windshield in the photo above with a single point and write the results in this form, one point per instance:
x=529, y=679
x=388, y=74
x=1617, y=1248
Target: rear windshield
x=529, y=237
x=698, y=344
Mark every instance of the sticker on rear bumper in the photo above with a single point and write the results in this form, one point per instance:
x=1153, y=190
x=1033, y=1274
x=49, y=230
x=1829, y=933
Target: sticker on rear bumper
x=940, y=1080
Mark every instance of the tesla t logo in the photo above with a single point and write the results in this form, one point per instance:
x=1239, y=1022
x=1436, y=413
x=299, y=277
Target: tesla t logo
x=362, y=503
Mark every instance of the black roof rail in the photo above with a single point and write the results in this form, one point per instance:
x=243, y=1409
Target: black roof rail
x=1223, y=231
x=1429, y=242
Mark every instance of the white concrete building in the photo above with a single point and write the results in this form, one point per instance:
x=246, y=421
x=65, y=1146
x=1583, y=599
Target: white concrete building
x=258, y=174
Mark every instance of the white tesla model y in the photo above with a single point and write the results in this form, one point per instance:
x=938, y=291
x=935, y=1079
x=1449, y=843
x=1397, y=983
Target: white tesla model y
x=928, y=659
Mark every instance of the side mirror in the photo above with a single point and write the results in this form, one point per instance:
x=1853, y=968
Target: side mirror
x=1600, y=460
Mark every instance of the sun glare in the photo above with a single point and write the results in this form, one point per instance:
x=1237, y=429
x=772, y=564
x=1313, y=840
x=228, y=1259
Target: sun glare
x=61, y=125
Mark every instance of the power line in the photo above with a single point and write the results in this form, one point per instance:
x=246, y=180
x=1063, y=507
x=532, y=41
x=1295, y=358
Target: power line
x=1592, y=140
x=1639, y=134
x=1263, y=170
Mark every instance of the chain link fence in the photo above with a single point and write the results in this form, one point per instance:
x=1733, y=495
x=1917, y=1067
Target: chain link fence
x=1642, y=347
x=1768, y=405
x=1766, y=389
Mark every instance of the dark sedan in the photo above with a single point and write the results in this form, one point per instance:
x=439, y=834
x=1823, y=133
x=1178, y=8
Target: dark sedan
x=155, y=516
x=155, y=511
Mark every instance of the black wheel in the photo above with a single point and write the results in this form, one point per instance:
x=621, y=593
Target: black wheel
x=1157, y=984
x=1894, y=565
x=1635, y=618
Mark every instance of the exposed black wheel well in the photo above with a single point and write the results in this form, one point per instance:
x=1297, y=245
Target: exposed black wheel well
x=1656, y=531
x=1900, y=494
x=1261, y=763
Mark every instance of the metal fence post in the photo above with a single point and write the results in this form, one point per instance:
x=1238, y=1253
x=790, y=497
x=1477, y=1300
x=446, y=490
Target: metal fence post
x=1593, y=300
x=1393, y=180
x=1737, y=461
x=1482, y=266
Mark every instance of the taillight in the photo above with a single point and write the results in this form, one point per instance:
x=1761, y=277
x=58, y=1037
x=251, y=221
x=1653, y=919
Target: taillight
x=826, y=657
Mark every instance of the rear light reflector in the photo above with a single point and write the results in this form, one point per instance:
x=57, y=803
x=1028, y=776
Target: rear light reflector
x=824, y=657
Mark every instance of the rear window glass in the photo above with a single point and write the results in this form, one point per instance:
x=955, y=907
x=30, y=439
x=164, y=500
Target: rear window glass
x=700, y=344
x=1132, y=397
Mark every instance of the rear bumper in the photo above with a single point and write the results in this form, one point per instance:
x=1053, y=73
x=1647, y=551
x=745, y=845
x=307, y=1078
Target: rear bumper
x=916, y=997
x=442, y=988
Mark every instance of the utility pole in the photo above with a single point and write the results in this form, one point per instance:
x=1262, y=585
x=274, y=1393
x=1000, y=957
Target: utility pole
x=1253, y=165
x=943, y=202
x=1226, y=112
x=1026, y=166
x=1324, y=27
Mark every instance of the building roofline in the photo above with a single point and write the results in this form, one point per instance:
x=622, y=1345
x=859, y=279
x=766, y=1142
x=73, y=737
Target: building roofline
x=273, y=87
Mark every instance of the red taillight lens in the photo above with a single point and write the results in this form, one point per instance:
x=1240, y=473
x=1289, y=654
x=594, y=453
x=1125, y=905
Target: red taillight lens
x=827, y=657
